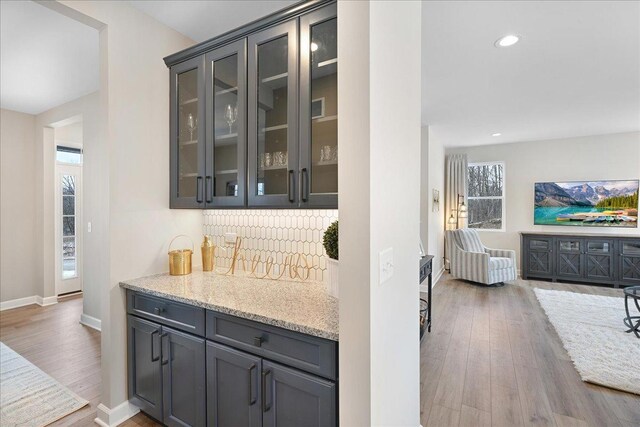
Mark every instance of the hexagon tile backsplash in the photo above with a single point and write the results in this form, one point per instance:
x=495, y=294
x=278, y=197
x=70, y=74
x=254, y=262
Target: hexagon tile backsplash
x=272, y=232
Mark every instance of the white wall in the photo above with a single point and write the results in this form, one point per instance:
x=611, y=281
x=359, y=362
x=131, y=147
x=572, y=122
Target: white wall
x=615, y=156
x=379, y=200
x=135, y=104
x=18, y=278
x=435, y=220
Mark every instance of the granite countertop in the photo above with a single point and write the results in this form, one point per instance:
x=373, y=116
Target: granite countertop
x=298, y=306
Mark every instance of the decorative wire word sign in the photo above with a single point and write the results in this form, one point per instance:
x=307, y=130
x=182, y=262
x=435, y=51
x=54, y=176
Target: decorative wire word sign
x=294, y=266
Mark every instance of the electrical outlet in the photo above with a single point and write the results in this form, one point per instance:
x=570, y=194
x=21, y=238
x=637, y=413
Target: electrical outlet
x=386, y=265
x=230, y=238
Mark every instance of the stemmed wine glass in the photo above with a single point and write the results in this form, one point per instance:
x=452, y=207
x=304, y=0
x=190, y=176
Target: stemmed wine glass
x=192, y=124
x=231, y=115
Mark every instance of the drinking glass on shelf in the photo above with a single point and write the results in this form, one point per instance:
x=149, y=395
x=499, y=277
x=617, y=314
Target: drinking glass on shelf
x=279, y=159
x=325, y=153
x=192, y=124
x=334, y=153
x=231, y=115
x=262, y=160
x=268, y=160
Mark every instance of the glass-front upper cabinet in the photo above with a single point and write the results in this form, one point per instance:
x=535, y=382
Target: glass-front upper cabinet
x=187, y=134
x=273, y=116
x=226, y=113
x=319, y=108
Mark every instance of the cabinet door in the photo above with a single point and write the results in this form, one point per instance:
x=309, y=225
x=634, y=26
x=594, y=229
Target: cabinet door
x=187, y=134
x=183, y=378
x=291, y=398
x=319, y=108
x=599, y=260
x=144, y=371
x=539, y=258
x=233, y=387
x=225, y=179
x=569, y=259
x=273, y=116
x=629, y=274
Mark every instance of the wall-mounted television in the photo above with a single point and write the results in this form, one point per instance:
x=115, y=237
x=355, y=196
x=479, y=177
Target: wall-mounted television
x=587, y=203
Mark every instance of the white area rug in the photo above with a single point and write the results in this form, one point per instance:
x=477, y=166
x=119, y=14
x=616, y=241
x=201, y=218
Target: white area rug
x=592, y=332
x=28, y=396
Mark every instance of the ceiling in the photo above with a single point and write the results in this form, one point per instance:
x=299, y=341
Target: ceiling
x=202, y=20
x=575, y=72
x=46, y=59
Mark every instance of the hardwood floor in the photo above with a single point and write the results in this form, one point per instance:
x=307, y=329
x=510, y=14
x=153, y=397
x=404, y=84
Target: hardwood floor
x=53, y=339
x=493, y=359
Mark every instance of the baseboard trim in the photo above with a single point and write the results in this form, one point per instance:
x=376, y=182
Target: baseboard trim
x=438, y=276
x=18, y=302
x=33, y=299
x=112, y=417
x=46, y=300
x=91, y=322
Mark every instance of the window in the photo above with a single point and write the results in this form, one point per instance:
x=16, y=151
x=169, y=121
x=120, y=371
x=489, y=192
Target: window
x=485, y=189
x=68, y=155
x=69, y=261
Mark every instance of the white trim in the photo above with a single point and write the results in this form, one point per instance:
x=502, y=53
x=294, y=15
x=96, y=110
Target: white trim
x=18, y=302
x=46, y=300
x=91, y=322
x=112, y=417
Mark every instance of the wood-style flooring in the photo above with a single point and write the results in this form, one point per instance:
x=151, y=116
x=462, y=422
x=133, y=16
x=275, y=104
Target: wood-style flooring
x=494, y=359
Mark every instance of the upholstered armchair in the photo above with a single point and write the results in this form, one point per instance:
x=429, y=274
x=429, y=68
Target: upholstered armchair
x=470, y=260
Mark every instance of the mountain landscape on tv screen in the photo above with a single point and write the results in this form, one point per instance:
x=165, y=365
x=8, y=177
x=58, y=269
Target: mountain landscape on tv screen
x=588, y=203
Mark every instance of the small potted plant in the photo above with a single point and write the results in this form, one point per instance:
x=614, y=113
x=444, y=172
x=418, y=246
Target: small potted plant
x=330, y=242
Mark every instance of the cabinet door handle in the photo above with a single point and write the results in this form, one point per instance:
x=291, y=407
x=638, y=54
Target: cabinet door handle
x=265, y=407
x=257, y=341
x=304, y=185
x=164, y=361
x=153, y=358
x=208, y=189
x=252, y=398
x=199, y=189
x=290, y=186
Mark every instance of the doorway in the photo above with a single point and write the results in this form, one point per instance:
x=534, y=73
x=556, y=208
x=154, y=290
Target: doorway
x=68, y=208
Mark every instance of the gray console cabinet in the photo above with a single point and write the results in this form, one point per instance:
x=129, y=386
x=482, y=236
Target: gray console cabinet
x=243, y=373
x=599, y=259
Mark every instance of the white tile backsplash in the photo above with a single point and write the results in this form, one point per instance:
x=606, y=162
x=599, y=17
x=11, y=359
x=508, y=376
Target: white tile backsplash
x=272, y=232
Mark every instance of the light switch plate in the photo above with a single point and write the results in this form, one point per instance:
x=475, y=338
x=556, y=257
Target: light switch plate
x=386, y=265
x=89, y=227
x=230, y=238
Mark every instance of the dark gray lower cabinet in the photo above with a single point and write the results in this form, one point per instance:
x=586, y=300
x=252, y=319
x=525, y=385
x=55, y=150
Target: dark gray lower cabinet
x=605, y=259
x=166, y=373
x=145, y=373
x=292, y=398
x=233, y=387
x=183, y=379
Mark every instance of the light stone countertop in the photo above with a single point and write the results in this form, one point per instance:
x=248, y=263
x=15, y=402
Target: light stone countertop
x=298, y=306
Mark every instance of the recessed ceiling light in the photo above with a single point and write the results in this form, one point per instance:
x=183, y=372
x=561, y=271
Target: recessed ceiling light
x=506, y=41
x=314, y=46
x=496, y=134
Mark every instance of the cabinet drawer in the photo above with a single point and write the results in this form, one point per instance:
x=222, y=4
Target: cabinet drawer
x=181, y=316
x=311, y=354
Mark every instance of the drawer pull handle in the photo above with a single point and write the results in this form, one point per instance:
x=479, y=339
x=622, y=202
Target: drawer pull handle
x=252, y=398
x=257, y=341
x=158, y=310
x=265, y=407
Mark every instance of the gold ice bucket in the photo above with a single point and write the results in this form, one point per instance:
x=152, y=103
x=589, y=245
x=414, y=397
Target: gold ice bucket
x=180, y=259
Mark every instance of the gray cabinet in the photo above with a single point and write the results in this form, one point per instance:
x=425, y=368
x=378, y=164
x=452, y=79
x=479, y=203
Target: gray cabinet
x=183, y=379
x=178, y=377
x=602, y=259
x=166, y=372
x=292, y=398
x=233, y=387
x=144, y=371
x=254, y=118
